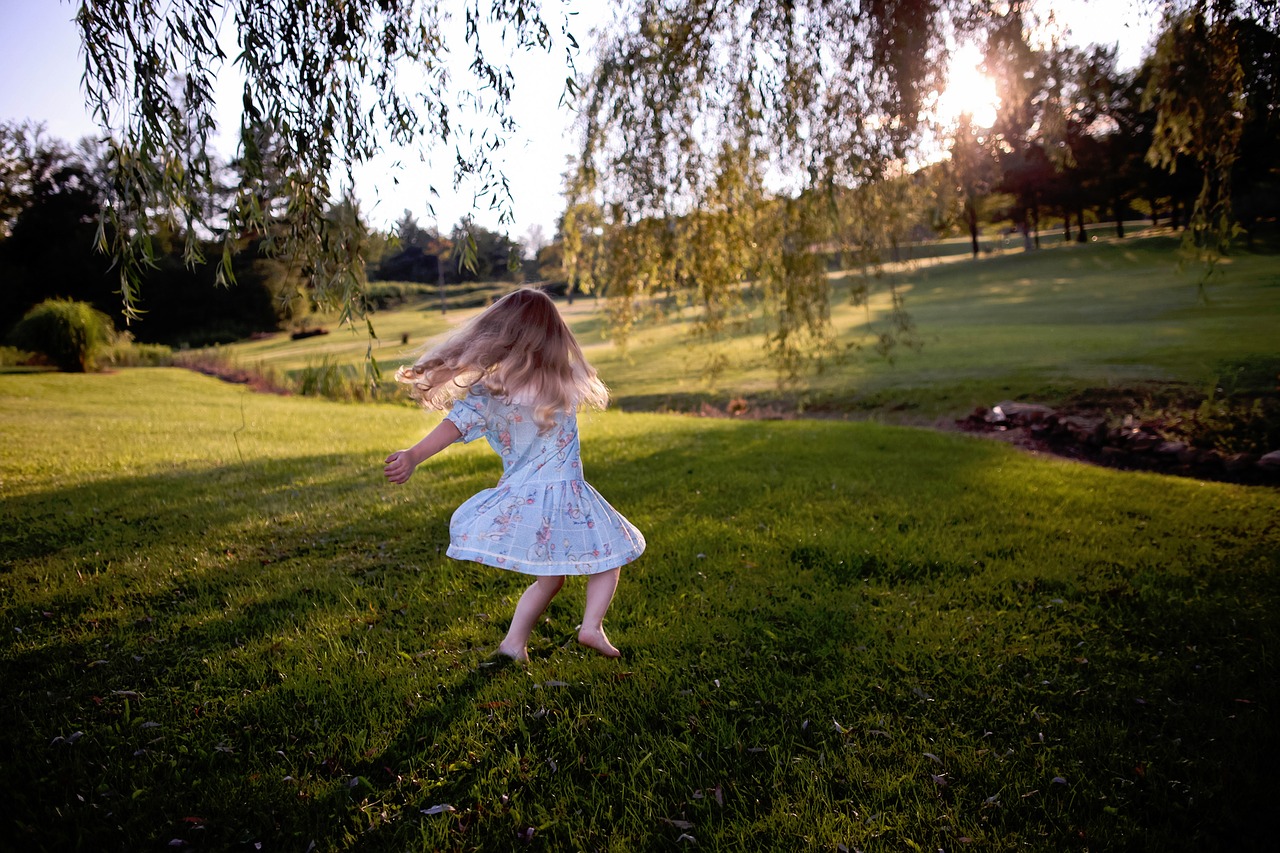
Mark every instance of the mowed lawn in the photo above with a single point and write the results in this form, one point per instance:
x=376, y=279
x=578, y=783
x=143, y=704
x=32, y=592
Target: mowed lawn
x=223, y=631
x=1117, y=315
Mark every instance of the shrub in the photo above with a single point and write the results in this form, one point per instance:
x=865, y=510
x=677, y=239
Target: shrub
x=66, y=332
x=124, y=351
x=12, y=356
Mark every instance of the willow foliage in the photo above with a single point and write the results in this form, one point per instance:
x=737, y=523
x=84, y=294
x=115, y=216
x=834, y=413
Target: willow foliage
x=326, y=82
x=730, y=149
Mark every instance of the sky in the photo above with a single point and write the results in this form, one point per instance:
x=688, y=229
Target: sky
x=41, y=64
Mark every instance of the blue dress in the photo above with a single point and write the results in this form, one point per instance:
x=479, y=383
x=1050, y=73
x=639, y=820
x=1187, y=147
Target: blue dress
x=541, y=518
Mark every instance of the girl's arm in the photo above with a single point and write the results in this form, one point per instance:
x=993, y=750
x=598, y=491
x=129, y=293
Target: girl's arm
x=400, y=464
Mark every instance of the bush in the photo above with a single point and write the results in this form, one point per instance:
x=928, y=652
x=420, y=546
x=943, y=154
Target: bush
x=12, y=356
x=67, y=333
x=124, y=351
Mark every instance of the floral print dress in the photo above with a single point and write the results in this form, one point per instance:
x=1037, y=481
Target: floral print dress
x=541, y=518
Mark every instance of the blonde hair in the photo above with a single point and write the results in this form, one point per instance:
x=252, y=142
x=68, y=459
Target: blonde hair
x=521, y=350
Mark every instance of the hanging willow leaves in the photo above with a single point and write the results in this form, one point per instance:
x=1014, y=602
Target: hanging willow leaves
x=730, y=149
x=326, y=83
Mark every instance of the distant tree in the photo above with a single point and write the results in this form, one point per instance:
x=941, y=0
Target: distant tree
x=481, y=254
x=1106, y=136
x=974, y=170
x=1256, y=176
x=409, y=233
x=533, y=241
x=49, y=201
x=1201, y=93
x=1025, y=83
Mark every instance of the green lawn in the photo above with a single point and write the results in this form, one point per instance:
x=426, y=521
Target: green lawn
x=223, y=631
x=1111, y=314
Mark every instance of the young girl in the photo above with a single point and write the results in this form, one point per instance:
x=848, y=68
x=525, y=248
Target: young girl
x=516, y=376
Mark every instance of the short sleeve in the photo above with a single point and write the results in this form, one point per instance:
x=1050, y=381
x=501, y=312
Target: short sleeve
x=467, y=415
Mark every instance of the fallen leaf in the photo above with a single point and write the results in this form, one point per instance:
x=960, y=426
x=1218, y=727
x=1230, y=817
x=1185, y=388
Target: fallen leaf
x=678, y=824
x=440, y=809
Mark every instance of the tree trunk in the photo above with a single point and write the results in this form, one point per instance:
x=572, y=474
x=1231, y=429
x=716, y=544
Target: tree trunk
x=971, y=218
x=1118, y=214
x=1081, y=237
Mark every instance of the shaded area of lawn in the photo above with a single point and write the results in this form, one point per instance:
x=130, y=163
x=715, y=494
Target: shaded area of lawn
x=841, y=634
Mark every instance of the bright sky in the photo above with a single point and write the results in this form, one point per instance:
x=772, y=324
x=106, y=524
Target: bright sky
x=40, y=64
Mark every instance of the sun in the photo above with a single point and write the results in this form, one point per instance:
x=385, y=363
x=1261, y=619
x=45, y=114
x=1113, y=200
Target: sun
x=969, y=91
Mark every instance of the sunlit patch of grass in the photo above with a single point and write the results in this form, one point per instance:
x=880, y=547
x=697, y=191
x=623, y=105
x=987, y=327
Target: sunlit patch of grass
x=1042, y=325
x=222, y=629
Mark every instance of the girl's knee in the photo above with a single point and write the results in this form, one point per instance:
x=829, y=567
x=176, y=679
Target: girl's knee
x=551, y=583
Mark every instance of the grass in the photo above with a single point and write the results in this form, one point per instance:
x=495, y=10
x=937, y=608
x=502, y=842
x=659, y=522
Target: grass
x=223, y=631
x=1045, y=326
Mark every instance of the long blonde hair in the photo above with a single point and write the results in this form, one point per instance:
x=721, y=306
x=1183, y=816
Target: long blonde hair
x=521, y=350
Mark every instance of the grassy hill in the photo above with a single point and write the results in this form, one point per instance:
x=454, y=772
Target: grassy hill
x=222, y=630
x=1111, y=314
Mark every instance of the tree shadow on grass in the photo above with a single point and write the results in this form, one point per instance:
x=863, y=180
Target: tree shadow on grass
x=178, y=603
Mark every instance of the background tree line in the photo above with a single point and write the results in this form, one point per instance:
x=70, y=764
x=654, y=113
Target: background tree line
x=1077, y=135
x=51, y=195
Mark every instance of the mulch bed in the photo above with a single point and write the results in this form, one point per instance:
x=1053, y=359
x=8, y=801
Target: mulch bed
x=1089, y=436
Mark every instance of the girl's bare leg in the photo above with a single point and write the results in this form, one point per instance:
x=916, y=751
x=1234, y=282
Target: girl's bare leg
x=531, y=606
x=600, y=589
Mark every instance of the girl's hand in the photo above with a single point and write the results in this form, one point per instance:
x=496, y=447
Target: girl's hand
x=400, y=464
x=399, y=467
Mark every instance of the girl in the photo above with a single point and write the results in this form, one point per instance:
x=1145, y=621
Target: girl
x=516, y=376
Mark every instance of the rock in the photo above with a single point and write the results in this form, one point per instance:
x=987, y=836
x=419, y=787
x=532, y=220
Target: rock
x=1172, y=448
x=1209, y=458
x=1239, y=461
x=1270, y=461
x=1141, y=442
x=1023, y=413
x=1085, y=430
x=1114, y=455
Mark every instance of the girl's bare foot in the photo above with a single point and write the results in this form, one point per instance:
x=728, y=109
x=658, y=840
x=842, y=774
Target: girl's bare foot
x=595, y=639
x=520, y=655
